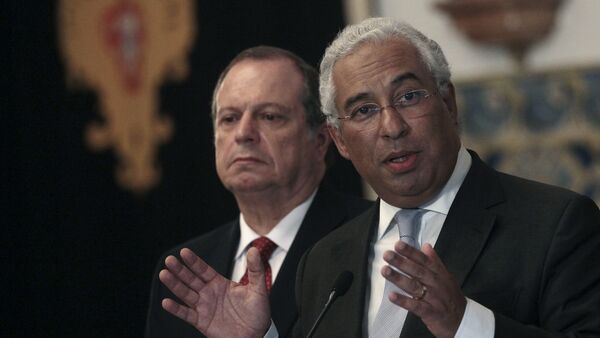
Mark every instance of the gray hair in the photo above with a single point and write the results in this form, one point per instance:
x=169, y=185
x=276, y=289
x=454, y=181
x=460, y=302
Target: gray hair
x=378, y=29
x=310, y=80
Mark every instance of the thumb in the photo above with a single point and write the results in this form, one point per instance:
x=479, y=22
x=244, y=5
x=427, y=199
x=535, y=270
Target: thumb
x=256, y=271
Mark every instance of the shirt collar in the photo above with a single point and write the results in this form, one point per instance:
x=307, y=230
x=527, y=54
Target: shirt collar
x=441, y=202
x=282, y=234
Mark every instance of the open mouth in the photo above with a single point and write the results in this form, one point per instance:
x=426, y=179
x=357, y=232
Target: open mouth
x=399, y=159
x=402, y=162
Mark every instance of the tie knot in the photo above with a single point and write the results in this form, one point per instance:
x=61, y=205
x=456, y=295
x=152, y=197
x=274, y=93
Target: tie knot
x=409, y=222
x=265, y=247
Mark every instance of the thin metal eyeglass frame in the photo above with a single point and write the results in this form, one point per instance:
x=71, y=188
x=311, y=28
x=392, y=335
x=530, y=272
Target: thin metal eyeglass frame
x=425, y=96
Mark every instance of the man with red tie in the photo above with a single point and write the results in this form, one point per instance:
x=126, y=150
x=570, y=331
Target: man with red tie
x=270, y=148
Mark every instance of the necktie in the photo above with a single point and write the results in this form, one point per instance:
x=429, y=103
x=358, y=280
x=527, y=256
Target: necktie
x=387, y=322
x=265, y=247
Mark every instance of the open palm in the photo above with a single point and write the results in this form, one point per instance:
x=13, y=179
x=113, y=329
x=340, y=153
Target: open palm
x=215, y=305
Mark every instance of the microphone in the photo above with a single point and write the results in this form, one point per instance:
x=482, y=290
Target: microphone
x=340, y=287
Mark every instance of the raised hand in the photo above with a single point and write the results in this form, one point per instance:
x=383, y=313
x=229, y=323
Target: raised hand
x=436, y=297
x=215, y=305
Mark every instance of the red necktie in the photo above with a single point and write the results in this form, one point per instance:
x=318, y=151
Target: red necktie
x=265, y=247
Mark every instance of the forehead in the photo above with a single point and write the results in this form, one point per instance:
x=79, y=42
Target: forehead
x=271, y=80
x=378, y=64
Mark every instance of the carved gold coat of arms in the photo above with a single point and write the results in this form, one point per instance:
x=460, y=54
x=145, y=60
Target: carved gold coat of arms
x=124, y=50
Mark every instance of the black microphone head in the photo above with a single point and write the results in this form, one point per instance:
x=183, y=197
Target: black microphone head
x=342, y=283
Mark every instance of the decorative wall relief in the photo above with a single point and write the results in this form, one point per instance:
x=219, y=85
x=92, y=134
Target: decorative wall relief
x=513, y=24
x=124, y=50
x=541, y=126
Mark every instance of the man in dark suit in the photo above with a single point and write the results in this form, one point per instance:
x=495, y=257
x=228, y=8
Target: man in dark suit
x=270, y=144
x=512, y=258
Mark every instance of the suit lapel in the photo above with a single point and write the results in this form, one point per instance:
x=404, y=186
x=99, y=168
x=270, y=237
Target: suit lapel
x=469, y=222
x=221, y=255
x=465, y=231
x=352, y=255
x=325, y=213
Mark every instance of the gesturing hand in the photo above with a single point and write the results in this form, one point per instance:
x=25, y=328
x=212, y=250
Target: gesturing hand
x=215, y=305
x=436, y=297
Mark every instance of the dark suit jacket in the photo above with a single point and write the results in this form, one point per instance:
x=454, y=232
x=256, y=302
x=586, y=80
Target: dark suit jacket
x=328, y=211
x=527, y=251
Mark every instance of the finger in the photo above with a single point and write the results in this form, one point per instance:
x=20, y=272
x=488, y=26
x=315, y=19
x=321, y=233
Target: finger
x=407, y=266
x=183, y=273
x=179, y=289
x=432, y=256
x=180, y=311
x=197, y=265
x=411, y=252
x=410, y=285
x=418, y=307
x=256, y=271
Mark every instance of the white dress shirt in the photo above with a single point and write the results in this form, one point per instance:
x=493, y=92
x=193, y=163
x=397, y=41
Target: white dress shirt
x=282, y=234
x=477, y=321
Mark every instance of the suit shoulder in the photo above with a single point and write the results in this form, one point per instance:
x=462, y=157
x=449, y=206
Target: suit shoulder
x=352, y=204
x=523, y=189
x=204, y=242
x=540, y=203
x=357, y=227
x=356, y=205
x=491, y=187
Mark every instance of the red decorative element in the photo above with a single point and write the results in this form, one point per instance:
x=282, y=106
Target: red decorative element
x=265, y=247
x=123, y=28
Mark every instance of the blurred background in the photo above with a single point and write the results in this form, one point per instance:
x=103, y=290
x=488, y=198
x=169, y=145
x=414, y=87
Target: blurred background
x=107, y=140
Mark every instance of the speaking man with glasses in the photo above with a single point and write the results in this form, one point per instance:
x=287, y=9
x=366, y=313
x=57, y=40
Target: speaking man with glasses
x=453, y=248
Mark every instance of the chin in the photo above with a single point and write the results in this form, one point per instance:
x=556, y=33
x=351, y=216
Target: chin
x=249, y=187
x=407, y=190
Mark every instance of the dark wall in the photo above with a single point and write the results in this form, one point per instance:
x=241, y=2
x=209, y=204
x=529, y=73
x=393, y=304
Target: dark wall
x=80, y=251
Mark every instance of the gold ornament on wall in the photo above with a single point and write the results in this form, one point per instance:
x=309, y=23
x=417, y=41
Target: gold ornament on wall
x=513, y=24
x=124, y=50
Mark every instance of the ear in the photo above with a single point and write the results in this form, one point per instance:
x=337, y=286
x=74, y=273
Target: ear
x=322, y=141
x=450, y=102
x=338, y=139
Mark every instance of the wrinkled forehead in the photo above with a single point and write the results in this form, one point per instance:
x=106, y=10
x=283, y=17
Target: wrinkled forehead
x=267, y=70
x=274, y=79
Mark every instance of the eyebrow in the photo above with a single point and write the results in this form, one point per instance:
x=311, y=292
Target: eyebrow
x=263, y=105
x=272, y=104
x=361, y=96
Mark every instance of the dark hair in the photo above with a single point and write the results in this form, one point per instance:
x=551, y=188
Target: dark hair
x=310, y=79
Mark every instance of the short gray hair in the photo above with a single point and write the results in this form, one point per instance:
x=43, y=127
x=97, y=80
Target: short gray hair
x=310, y=81
x=377, y=29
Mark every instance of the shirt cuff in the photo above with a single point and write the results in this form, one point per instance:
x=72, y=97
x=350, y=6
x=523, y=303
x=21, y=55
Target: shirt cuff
x=477, y=322
x=272, y=332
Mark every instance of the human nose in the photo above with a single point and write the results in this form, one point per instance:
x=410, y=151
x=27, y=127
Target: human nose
x=393, y=125
x=246, y=129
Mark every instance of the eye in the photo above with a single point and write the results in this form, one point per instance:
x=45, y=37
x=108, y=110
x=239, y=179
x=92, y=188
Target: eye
x=269, y=116
x=364, y=112
x=409, y=99
x=272, y=118
x=228, y=119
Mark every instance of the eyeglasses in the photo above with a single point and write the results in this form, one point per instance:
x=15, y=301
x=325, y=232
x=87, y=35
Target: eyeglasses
x=408, y=105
